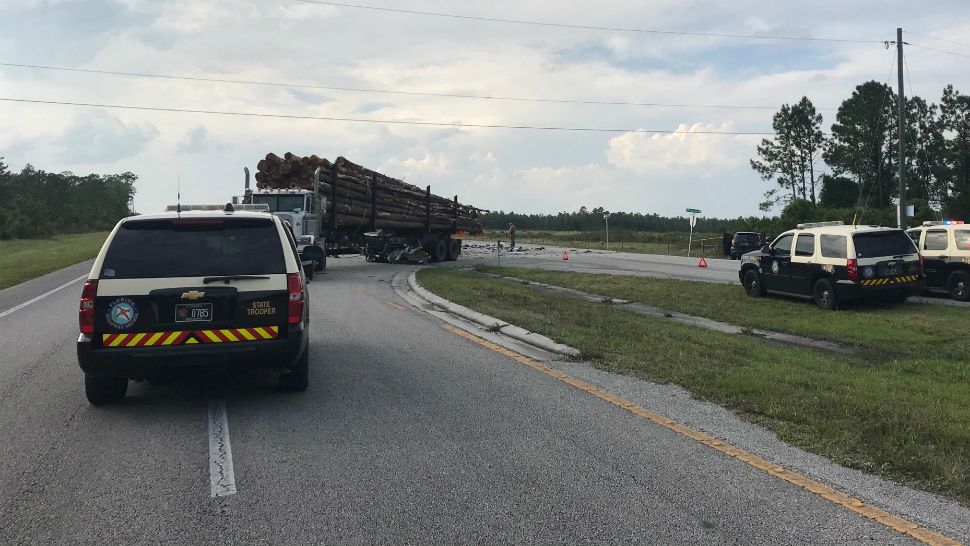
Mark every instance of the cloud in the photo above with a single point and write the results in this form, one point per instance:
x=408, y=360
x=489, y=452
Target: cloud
x=198, y=141
x=99, y=137
x=687, y=147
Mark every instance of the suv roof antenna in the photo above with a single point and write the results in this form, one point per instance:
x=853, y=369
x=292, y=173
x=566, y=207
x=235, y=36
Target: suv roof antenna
x=178, y=194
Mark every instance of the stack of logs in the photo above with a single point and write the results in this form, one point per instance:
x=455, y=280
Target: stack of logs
x=361, y=193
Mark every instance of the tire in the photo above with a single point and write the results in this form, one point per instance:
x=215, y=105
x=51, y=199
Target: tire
x=105, y=390
x=958, y=285
x=298, y=378
x=322, y=264
x=439, y=250
x=454, y=249
x=753, y=285
x=824, y=294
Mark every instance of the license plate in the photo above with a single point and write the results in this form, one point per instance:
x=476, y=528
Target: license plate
x=193, y=312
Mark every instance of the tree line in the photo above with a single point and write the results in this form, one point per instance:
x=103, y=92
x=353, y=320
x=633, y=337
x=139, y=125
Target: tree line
x=861, y=151
x=36, y=203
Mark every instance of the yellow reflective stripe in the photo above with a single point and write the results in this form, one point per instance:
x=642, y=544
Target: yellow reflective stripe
x=263, y=333
x=154, y=339
x=228, y=334
x=117, y=341
x=134, y=340
x=209, y=334
x=245, y=333
x=275, y=329
x=171, y=338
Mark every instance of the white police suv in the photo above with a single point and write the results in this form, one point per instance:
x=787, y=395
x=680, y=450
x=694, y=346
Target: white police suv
x=190, y=290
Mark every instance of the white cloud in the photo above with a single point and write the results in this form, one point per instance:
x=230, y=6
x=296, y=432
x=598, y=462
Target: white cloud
x=688, y=147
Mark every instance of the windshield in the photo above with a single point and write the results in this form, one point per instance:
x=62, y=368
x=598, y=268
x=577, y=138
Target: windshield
x=883, y=243
x=193, y=248
x=284, y=203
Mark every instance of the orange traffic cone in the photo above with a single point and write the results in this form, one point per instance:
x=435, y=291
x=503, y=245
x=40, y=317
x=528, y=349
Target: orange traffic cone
x=565, y=256
x=702, y=263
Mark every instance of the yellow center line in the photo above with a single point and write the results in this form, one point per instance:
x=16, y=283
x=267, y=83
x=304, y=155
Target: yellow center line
x=393, y=305
x=830, y=494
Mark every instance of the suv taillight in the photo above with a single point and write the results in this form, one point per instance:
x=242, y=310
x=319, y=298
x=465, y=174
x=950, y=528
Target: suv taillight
x=295, y=288
x=85, y=314
x=852, y=268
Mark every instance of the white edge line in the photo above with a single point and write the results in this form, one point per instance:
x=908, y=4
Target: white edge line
x=42, y=296
x=222, y=477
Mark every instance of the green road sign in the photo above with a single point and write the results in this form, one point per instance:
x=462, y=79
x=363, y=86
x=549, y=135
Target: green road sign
x=694, y=211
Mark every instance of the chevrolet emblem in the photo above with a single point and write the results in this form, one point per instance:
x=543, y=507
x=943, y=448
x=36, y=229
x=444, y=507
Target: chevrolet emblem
x=192, y=295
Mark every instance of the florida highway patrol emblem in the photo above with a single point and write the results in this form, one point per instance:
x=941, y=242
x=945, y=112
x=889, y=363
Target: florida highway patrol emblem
x=774, y=266
x=122, y=313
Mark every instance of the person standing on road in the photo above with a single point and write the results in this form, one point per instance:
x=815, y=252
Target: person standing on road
x=511, y=235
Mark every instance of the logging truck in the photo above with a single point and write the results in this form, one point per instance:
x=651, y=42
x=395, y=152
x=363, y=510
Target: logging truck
x=386, y=221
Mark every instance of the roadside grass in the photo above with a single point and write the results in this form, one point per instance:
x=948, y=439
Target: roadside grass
x=24, y=259
x=642, y=242
x=881, y=330
x=906, y=419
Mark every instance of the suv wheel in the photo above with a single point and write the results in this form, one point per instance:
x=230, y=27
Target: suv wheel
x=752, y=284
x=958, y=284
x=825, y=294
x=298, y=378
x=105, y=390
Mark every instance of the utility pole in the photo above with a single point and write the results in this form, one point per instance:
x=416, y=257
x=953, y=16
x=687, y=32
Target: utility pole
x=902, y=131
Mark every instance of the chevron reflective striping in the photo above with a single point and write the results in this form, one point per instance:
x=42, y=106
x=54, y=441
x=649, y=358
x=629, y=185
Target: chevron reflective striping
x=182, y=337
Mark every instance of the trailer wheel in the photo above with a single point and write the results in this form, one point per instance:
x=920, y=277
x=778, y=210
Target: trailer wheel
x=439, y=250
x=454, y=249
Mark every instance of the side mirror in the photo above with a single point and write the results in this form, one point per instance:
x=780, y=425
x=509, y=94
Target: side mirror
x=767, y=250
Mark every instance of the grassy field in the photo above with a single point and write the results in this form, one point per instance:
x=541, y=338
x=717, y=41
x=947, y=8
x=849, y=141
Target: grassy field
x=23, y=259
x=881, y=330
x=674, y=244
x=906, y=418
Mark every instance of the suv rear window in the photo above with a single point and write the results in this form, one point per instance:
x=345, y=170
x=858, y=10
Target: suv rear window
x=189, y=247
x=883, y=243
x=747, y=238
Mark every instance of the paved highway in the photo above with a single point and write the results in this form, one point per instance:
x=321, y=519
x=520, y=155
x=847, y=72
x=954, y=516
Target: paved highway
x=408, y=433
x=616, y=263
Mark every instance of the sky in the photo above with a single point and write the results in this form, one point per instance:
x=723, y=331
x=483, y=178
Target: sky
x=289, y=42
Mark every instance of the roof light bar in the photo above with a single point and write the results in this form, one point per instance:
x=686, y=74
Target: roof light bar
x=820, y=224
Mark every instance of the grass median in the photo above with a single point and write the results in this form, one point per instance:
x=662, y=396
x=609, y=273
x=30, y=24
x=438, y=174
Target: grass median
x=905, y=418
x=881, y=330
x=24, y=259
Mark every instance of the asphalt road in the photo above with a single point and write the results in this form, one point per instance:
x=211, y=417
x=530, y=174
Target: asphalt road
x=615, y=263
x=408, y=434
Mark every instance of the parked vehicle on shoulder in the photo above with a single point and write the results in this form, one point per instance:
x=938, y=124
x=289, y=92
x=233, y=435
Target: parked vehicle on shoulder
x=744, y=242
x=945, y=247
x=190, y=291
x=830, y=263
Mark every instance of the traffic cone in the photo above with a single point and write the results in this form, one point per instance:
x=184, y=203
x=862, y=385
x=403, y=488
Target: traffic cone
x=702, y=263
x=565, y=256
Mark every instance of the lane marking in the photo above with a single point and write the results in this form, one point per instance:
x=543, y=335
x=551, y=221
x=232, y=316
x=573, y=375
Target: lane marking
x=42, y=296
x=393, y=305
x=222, y=478
x=830, y=494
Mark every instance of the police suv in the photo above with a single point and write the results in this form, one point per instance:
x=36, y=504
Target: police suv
x=179, y=292
x=945, y=247
x=831, y=262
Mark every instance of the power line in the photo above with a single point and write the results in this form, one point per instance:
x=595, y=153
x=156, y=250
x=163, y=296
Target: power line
x=946, y=51
x=937, y=39
x=381, y=121
x=387, y=91
x=591, y=27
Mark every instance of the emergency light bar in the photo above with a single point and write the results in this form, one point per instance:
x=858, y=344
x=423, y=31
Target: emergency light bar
x=943, y=222
x=257, y=207
x=820, y=224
